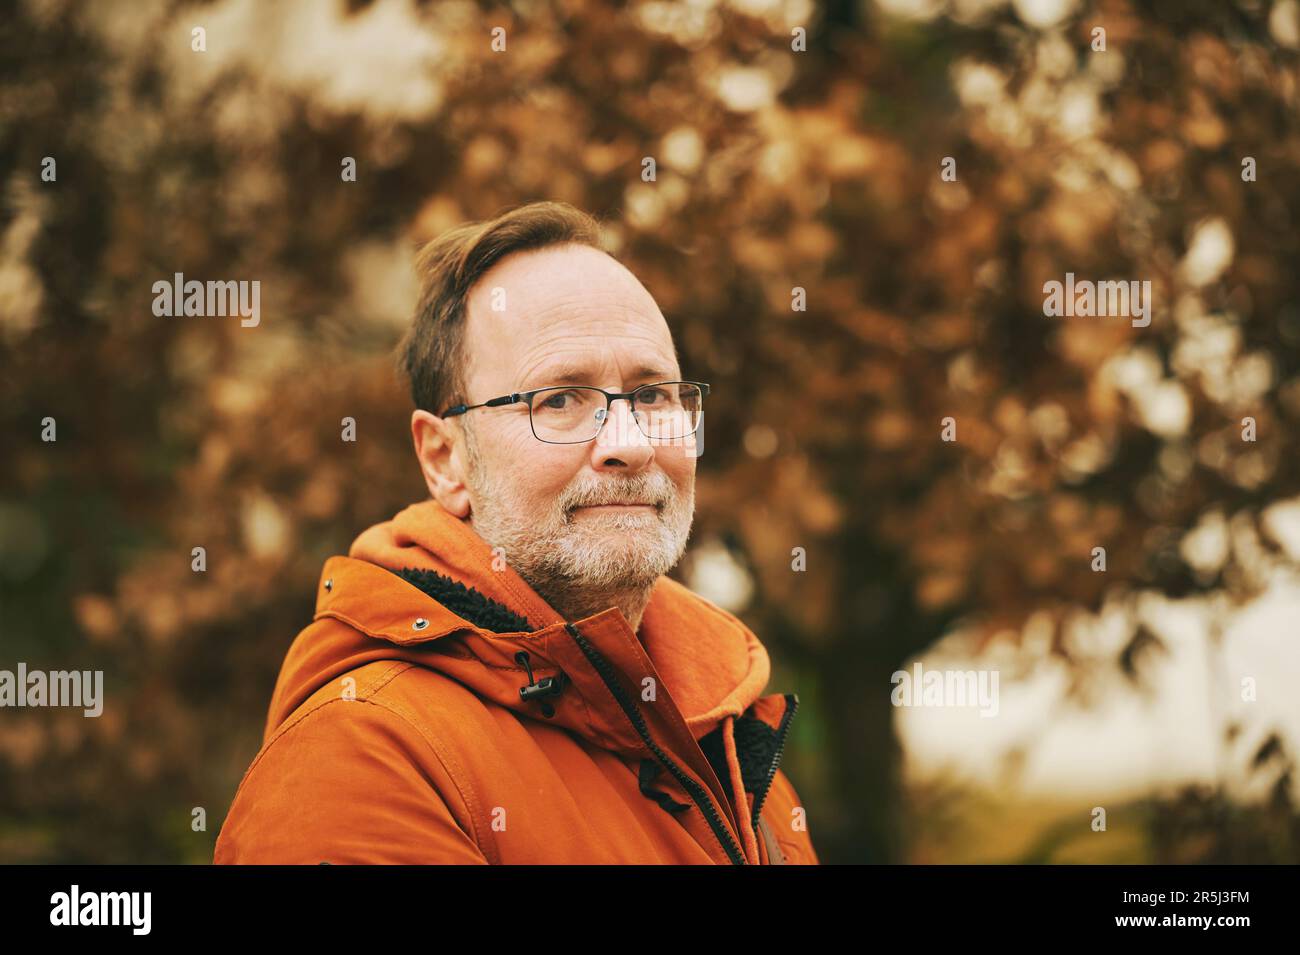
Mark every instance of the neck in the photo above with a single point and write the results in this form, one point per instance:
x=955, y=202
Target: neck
x=575, y=605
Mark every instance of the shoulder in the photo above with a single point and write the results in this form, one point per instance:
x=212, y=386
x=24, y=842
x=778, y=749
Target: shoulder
x=389, y=709
x=395, y=704
x=354, y=746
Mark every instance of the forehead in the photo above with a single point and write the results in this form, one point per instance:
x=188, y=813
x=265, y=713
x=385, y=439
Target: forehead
x=567, y=308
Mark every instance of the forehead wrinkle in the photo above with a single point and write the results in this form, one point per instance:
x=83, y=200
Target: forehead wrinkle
x=554, y=319
x=569, y=345
x=617, y=300
x=571, y=372
x=569, y=364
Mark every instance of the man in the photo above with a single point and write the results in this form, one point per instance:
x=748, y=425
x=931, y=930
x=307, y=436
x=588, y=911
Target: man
x=503, y=673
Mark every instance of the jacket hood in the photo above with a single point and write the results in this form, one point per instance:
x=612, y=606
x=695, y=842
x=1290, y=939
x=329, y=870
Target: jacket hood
x=424, y=587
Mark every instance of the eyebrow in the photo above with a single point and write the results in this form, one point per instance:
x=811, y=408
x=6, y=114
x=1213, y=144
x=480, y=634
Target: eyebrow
x=569, y=374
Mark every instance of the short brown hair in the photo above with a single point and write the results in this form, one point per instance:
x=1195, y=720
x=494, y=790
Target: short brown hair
x=432, y=353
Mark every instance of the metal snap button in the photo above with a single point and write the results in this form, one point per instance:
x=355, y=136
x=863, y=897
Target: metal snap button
x=420, y=623
x=329, y=584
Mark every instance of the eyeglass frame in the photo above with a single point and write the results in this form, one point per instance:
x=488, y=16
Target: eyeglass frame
x=610, y=398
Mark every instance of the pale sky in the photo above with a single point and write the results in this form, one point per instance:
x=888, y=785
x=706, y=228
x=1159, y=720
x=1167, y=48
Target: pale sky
x=1127, y=742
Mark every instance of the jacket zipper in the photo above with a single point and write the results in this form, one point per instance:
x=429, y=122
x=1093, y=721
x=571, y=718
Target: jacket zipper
x=792, y=704
x=696, y=792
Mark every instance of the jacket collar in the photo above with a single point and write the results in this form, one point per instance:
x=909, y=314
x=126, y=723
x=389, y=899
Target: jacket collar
x=426, y=588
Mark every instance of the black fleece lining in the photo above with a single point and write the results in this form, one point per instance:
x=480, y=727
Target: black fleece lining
x=466, y=602
x=756, y=744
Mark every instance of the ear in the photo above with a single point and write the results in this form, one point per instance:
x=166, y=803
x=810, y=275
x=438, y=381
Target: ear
x=439, y=447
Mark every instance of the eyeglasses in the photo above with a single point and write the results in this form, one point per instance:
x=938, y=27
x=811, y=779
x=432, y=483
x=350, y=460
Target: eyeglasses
x=574, y=414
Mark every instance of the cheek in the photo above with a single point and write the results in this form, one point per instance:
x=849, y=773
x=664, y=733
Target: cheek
x=536, y=472
x=679, y=466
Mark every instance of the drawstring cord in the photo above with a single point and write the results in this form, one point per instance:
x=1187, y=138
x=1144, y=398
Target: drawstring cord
x=540, y=689
x=648, y=772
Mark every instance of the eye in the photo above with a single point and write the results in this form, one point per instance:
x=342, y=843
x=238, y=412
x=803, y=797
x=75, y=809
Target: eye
x=555, y=401
x=651, y=396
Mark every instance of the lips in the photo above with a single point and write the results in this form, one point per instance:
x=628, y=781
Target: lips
x=638, y=504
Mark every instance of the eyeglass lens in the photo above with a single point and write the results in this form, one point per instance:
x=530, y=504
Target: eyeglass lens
x=573, y=414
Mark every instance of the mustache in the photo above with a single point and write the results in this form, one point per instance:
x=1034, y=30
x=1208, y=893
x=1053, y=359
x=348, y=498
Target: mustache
x=651, y=491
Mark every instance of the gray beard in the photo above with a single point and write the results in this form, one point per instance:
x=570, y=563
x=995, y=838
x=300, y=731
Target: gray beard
x=586, y=566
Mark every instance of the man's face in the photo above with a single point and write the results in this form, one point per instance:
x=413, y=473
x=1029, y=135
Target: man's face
x=612, y=513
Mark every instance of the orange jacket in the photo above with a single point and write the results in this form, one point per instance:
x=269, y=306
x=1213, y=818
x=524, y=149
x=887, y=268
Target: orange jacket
x=438, y=710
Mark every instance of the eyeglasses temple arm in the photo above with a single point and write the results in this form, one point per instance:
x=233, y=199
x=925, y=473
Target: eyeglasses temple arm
x=461, y=409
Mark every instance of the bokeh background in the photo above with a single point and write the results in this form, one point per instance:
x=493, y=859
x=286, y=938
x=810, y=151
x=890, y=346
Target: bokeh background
x=776, y=169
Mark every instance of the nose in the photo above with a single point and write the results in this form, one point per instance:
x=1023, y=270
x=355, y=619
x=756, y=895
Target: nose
x=620, y=443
